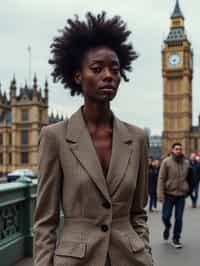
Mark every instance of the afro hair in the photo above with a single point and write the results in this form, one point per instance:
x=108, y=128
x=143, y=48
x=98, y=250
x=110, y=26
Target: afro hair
x=78, y=37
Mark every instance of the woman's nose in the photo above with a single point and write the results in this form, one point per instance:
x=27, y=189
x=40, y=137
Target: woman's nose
x=108, y=74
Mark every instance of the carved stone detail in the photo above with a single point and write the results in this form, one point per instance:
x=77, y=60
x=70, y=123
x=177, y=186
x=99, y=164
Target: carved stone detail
x=9, y=220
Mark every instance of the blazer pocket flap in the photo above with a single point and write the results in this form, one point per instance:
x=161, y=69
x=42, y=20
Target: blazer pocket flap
x=136, y=244
x=71, y=249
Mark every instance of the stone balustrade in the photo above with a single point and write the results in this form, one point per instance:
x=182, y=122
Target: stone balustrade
x=17, y=204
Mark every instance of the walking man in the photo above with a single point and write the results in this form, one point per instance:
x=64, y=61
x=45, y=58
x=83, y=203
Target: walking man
x=172, y=190
x=195, y=176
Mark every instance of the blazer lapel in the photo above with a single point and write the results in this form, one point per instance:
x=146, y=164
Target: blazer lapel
x=82, y=147
x=121, y=151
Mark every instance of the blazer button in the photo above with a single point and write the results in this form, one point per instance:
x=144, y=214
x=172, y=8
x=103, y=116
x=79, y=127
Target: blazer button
x=106, y=205
x=104, y=228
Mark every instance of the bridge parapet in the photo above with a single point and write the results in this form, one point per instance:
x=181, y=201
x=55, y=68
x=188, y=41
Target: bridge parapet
x=17, y=204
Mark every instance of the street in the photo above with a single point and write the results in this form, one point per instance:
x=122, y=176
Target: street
x=164, y=254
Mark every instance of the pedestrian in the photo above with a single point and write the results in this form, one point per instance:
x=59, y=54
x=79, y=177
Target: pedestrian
x=153, y=177
x=172, y=190
x=92, y=165
x=198, y=180
x=195, y=177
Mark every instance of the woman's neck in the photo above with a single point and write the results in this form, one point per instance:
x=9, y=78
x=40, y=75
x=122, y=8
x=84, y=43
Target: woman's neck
x=99, y=115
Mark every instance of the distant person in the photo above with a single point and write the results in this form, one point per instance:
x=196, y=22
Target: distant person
x=93, y=165
x=153, y=177
x=198, y=180
x=156, y=164
x=195, y=177
x=172, y=190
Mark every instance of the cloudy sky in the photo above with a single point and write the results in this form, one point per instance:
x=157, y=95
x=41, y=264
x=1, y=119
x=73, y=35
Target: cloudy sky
x=35, y=23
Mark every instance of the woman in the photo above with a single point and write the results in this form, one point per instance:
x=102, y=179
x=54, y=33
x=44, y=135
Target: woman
x=94, y=166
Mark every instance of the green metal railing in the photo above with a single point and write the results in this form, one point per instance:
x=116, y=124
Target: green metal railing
x=17, y=204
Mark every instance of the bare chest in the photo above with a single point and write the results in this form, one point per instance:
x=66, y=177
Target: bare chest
x=102, y=141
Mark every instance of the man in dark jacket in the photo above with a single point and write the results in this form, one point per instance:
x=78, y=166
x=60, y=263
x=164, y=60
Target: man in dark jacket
x=153, y=177
x=195, y=177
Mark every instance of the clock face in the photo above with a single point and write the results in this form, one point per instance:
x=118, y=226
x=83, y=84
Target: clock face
x=174, y=59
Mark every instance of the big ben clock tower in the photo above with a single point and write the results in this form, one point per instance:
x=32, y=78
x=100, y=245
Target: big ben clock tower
x=177, y=72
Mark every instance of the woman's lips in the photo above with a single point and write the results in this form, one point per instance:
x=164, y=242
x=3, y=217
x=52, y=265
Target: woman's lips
x=109, y=89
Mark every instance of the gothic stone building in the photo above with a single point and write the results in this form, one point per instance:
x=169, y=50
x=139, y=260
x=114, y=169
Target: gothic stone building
x=177, y=72
x=21, y=117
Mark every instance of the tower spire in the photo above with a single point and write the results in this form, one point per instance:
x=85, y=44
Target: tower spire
x=29, y=65
x=177, y=11
x=35, y=82
x=13, y=88
x=177, y=29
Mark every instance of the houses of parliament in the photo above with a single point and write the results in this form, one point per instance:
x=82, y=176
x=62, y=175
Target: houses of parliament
x=22, y=114
x=25, y=111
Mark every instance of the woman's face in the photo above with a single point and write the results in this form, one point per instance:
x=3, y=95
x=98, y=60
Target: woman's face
x=99, y=76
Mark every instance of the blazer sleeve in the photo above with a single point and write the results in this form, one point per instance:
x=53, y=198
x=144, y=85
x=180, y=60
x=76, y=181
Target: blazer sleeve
x=47, y=212
x=138, y=212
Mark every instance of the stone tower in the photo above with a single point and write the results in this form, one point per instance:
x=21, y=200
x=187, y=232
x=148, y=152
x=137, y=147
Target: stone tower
x=177, y=72
x=21, y=117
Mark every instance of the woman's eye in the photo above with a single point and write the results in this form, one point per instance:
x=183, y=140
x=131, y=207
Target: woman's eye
x=115, y=70
x=96, y=69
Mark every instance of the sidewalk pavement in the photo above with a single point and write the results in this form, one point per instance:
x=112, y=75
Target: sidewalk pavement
x=164, y=254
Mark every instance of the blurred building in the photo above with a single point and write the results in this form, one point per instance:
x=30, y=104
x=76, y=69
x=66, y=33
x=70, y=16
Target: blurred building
x=22, y=114
x=155, y=146
x=148, y=131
